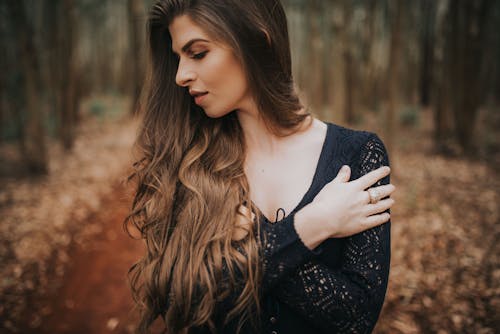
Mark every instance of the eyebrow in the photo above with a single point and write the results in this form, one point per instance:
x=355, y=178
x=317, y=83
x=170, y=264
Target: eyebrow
x=191, y=42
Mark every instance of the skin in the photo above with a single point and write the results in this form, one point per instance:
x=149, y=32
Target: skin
x=209, y=66
x=340, y=209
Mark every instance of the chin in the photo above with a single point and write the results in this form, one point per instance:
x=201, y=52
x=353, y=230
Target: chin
x=215, y=114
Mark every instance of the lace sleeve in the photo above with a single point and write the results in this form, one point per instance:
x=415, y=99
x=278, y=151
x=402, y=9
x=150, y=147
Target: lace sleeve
x=347, y=299
x=281, y=251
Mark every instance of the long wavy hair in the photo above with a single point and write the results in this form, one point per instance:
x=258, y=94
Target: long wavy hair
x=190, y=169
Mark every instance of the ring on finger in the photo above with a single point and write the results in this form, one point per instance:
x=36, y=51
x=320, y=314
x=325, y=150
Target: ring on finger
x=374, y=195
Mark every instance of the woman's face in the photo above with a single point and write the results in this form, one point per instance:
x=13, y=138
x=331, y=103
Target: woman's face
x=208, y=69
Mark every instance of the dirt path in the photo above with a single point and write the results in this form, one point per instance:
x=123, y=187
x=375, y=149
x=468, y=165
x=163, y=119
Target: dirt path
x=444, y=259
x=95, y=297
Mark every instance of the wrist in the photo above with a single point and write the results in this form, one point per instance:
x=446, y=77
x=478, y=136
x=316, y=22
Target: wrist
x=310, y=229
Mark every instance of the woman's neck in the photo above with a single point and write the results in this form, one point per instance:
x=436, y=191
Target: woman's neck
x=258, y=137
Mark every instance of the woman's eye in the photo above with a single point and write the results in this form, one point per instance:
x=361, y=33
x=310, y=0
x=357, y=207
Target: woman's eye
x=199, y=55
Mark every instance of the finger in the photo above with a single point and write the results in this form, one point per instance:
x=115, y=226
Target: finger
x=379, y=207
x=343, y=175
x=376, y=220
x=384, y=190
x=372, y=177
x=380, y=192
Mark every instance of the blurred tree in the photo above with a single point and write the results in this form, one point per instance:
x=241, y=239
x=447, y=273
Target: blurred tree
x=467, y=35
x=367, y=54
x=441, y=85
x=33, y=149
x=62, y=79
x=349, y=57
x=336, y=71
x=460, y=88
x=315, y=78
x=68, y=79
x=135, y=12
x=427, y=37
x=394, y=79
x=3, y=70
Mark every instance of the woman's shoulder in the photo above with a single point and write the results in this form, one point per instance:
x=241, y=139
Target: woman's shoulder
x=347, y=134
x=349, y=139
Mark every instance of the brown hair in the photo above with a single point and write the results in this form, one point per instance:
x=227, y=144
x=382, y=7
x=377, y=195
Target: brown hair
x=190, y=175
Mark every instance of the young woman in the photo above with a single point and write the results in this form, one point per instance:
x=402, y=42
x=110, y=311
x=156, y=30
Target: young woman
x=225, y=145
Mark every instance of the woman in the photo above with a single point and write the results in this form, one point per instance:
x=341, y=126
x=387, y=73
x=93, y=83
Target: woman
x=225, y=144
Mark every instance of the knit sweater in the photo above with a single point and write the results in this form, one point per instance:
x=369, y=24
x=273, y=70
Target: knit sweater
x=340, y=286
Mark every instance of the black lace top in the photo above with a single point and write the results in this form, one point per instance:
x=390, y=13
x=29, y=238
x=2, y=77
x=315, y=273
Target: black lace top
x=340, y=286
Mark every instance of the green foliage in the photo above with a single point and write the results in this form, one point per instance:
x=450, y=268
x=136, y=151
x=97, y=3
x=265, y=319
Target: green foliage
x=358, y=118
x=106, y=106
x=9, y=130
x=50, y=124
x=409, y=116
x=97, y=108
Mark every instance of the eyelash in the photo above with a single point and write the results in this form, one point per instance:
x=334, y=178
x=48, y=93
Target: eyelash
x=199, y=55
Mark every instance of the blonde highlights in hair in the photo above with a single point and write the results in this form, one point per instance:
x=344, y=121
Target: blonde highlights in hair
x=190, y=174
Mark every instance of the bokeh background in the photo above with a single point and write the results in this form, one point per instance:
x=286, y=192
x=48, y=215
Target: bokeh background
x=424, y=75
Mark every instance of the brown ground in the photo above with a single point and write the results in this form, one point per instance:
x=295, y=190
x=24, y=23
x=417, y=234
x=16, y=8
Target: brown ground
x=95, y=296
x=444, y=271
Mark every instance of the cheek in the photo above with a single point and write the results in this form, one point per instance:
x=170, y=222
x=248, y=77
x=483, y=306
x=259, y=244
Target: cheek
x=224, y=72
x=237, y=86
x=213, y=71
x=237, y=75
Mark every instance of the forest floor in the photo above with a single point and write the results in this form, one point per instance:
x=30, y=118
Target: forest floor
x=65, y=255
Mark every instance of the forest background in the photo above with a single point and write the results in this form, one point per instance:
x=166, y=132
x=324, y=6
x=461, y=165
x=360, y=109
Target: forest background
x=424, y=75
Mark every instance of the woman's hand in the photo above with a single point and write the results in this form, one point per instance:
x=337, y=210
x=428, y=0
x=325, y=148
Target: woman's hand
x=343, y=208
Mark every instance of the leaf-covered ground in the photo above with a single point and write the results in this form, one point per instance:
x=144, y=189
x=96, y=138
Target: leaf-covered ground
x=64, y=254
x=43, y=219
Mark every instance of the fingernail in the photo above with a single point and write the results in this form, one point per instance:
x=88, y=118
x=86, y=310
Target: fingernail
x=345, y=168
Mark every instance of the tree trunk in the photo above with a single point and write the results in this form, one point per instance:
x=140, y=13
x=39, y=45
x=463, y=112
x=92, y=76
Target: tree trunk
x=394, y=83
x=349, y=115
x=134, y=14
x=316, y=79
x=68, y=79
x=3, y=70
x=52, y=38
x=441, y=83
x=330, y=60
x=34, y=148
x=426, y=49
x=337, y=65
x=467, y=34
x=368, y=66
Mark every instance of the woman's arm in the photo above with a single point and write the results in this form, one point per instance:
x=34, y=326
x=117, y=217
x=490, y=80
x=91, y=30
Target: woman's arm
x=348, y=299
x=290, y=266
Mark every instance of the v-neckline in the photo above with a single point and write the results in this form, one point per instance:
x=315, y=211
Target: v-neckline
x=313, y=182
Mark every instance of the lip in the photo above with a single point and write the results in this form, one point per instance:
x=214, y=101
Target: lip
x=199, y=96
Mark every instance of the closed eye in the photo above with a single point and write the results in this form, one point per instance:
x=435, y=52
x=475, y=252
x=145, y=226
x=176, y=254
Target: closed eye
x=199, y=55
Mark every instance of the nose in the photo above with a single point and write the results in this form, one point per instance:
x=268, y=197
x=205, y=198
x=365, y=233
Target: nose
x=184, y=74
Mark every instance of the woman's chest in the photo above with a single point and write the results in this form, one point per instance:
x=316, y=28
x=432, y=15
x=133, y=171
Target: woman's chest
x=282, y=178
x=280, y=184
